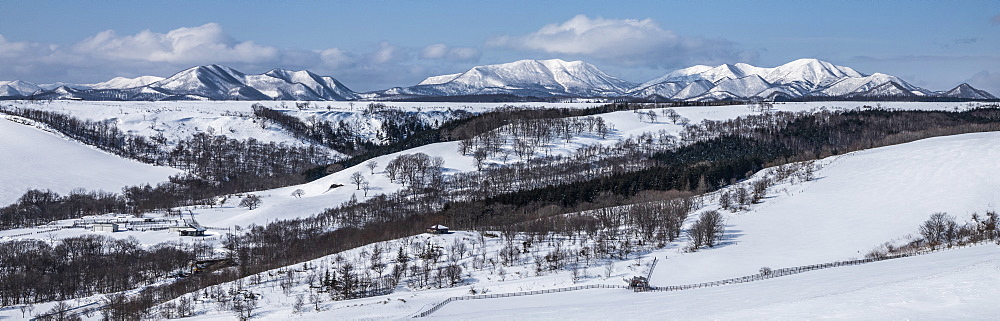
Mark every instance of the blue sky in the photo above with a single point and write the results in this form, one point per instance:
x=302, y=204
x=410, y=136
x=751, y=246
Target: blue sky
x=371, y=45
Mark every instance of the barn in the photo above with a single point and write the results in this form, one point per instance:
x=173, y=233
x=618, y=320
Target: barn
x=105, y=227
x=437, y=229
x=188, y=230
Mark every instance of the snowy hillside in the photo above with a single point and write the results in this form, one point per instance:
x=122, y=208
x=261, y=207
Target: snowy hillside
x=176, y=120
x=956, y=284
x=891, y=191
x=859, y=201
x=35, y=159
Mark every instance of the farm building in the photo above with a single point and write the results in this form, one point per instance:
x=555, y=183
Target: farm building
x=437, y=229
x=188, y=230
x=105, y=227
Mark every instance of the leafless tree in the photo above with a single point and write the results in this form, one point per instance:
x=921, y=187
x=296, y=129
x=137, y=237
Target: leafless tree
x=357, y=178
x=708, y=230
x=940, y=228
x=251, y=201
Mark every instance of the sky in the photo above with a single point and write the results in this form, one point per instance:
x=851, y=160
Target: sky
x=378, y=44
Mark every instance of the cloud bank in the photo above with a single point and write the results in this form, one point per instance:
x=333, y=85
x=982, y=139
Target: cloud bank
x=629, y=42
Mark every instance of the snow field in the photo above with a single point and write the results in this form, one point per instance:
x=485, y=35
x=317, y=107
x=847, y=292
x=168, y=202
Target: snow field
x=34, y=159
x=279, y=204
x=953, y=284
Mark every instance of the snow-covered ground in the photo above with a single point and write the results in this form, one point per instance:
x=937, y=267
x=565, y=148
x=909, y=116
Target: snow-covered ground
x=858, y=201
x=957, y=284
x=280, y=204
x=34, y=159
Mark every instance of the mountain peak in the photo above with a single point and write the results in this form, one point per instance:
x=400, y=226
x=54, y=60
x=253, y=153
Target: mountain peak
x=966, y=91
x=539, y=78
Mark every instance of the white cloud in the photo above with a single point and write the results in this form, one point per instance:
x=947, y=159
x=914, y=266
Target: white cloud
x=334, y=57
x=207, y=42
x=435, y=51
x=387, y=53
x=456, y=54
x=625, y=42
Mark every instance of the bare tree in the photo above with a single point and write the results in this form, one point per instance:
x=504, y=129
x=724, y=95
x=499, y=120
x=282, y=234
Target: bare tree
x=251, y=201
x=372, y=164
x=298, y=193
x=479, y=156
x=357, y=178
x=940, y=228
x=707, y=230
x=243, y=304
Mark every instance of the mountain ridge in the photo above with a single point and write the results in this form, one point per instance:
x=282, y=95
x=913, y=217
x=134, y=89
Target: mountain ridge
x=805, y=78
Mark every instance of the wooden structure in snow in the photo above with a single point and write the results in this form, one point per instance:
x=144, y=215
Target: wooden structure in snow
x=437, y=229
x=105, y=227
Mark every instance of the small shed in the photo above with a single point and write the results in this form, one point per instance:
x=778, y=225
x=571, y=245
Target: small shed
x=188, y=230
x=105, y=227
x=437, y=229
x=638, y=282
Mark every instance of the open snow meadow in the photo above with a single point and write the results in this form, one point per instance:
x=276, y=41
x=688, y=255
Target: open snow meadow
x=863, y=204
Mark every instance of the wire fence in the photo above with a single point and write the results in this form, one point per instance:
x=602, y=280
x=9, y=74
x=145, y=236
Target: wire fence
x=799, y=269
x=515, y=294
x=737, y=280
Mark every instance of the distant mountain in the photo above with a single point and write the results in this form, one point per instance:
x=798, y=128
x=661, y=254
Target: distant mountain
x=212, y=82
x=18, y=88
x=801, y=78
x=534, y=78
x=965, y=91
x=123, y=83
x=522, y=80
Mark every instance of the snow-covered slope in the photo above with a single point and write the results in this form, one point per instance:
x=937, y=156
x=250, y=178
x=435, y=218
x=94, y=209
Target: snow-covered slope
x=857, y=201
x=539, y=78
x=956, y=284
x=34, y=159
x=434, y=80
x=213, y=81
x=283, y=84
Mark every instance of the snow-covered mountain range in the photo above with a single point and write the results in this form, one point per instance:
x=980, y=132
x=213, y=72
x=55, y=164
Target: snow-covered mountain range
x=212, y=82
x=799, y=79
x=537, y=78
x=796, y=79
